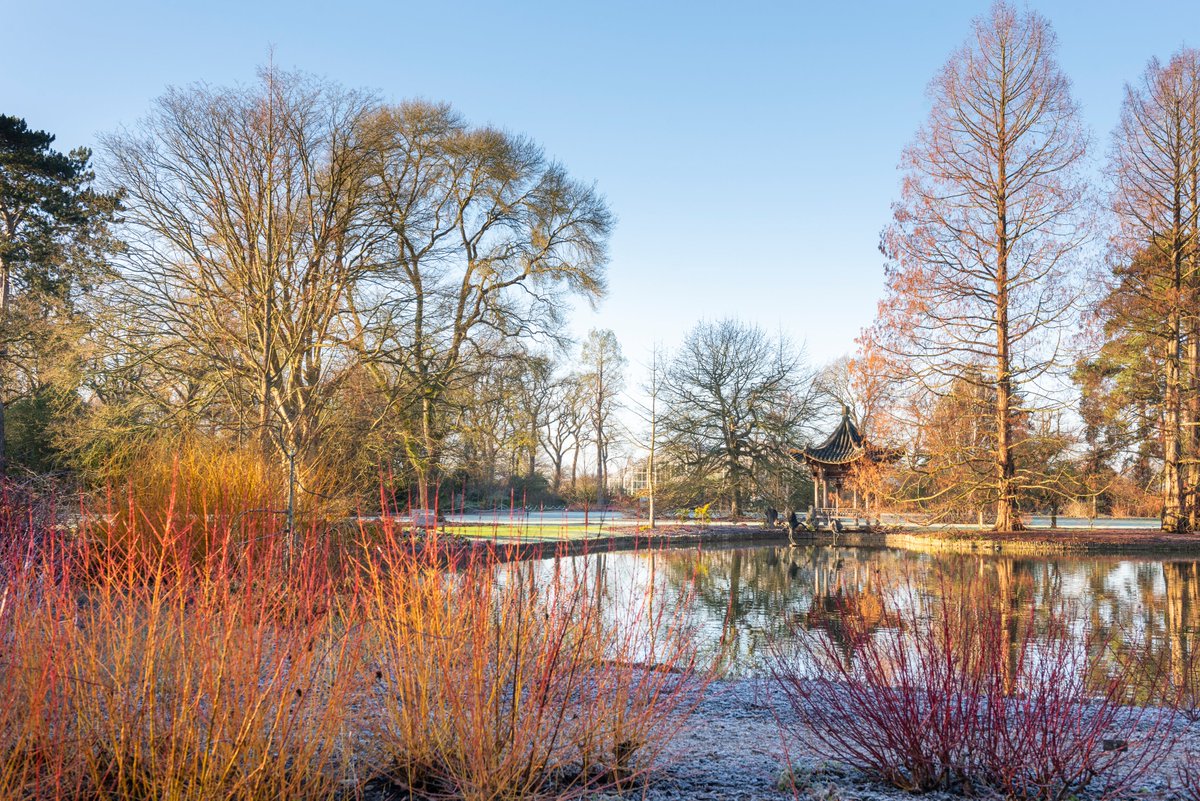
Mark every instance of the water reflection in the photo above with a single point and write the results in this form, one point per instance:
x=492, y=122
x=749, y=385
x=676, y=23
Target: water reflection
x=740, y=599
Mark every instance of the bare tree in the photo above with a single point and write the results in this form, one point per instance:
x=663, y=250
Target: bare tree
x=858, y=383
x=654, y=386
x=578, y=420
x=484, y=236
x=562, y=424
x=603, y=379
x=647, y=409
x=535, y=392
x=244, y=248
x=991, y=212
x=734, y=399
x=1156, y=165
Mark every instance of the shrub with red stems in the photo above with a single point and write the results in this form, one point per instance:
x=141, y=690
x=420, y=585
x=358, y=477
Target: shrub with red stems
x=963, y=690
x=189, y=654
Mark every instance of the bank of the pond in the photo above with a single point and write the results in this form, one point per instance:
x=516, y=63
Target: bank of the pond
x=1036, y=542
x=510, y=547
x=1047, y=542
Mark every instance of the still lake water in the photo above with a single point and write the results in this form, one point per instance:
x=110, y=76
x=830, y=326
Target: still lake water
x=740, y=599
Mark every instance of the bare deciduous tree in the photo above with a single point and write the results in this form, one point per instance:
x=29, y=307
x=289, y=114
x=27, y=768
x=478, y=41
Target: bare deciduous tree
x=244, y=246
x=603, y=379
x=734, y=399
x=562, y=425
x=647, y=410
x=483, y=235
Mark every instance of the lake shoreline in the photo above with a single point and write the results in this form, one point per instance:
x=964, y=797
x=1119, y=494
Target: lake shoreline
x=1036, y=542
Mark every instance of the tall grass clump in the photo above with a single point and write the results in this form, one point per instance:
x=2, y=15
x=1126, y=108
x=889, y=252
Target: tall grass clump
x=215, y=491
x=220, y=664
x=959, y=690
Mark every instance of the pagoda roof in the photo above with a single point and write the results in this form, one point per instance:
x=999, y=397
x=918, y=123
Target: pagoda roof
x=844, y=446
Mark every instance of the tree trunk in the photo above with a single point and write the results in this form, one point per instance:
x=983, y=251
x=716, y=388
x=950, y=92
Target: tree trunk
x=1192, y=430
x=428, y=456
x=533, y=446
x=1191, y=230
x=601, y=473
x=650, y=464
x=1007, y=515
x=1173, y=517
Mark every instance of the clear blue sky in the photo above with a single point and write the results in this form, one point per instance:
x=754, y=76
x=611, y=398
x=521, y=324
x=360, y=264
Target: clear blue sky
x=748, y=149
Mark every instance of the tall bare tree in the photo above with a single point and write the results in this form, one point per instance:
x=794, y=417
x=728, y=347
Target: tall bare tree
x=535, y=395
x=646, y=409
x=245, y=248
x=1156, y=251
x=562, y=425
x=484, y=236
x=991, y=212
x=603, y=380
x=734, y=399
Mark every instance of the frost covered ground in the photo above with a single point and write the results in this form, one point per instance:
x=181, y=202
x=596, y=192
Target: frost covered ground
x=731, y=749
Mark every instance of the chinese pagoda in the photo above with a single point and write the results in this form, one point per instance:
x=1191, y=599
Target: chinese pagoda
x=835, y=459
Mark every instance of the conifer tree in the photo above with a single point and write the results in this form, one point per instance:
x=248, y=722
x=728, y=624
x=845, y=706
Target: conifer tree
x=52, y=232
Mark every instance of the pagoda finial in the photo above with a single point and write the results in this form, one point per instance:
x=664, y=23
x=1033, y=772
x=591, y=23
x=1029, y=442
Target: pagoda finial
x=845, y=411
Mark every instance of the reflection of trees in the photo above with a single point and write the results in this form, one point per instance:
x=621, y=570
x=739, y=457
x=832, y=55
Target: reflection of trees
x=848, y=615
x=740, y=599
x=1182, y=617
x=746, y=596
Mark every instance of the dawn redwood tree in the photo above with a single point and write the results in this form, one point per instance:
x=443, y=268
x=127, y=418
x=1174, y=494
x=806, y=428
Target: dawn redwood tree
x=1155, y=164
x=53, y=232
x=990, y=214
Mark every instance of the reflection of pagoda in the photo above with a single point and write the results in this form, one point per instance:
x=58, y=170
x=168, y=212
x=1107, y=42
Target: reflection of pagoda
x=848, y=618
x=843, y=452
